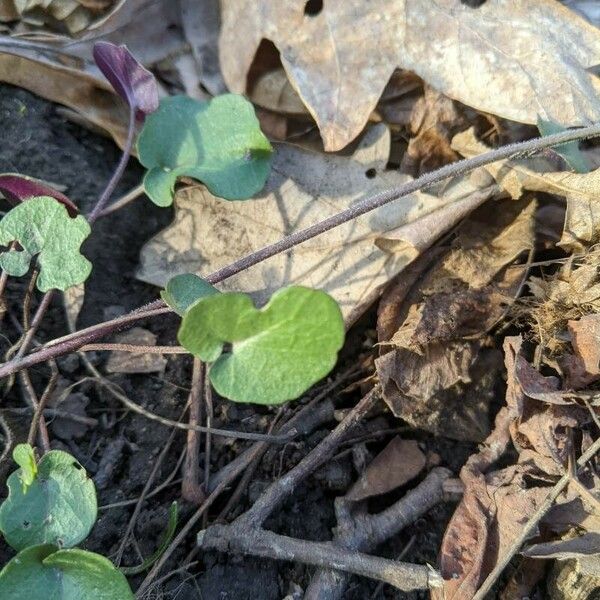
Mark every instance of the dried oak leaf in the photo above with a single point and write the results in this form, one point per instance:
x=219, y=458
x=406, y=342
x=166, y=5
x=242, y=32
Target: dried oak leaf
x=497, y=59
x=582, y=221
x=304, y=188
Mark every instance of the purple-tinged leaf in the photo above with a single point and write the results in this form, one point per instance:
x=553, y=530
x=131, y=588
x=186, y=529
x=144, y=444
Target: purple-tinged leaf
x=130, y=79
x=16, y=188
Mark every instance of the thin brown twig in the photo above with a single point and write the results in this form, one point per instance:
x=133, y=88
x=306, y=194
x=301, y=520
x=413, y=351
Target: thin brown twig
x=358, y=530
x=285, y=485
x=260, y=542
x=27, y=298
x=32, y=399
x=309, y=417
x=242, y=435
x=35, y=323
x=38, y=415
x=187, y=528
x=55, y=413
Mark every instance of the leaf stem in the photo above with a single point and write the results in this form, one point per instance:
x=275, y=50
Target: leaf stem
x=118, y=173
x=91, y=334
x=130, y=196
x=35, y=323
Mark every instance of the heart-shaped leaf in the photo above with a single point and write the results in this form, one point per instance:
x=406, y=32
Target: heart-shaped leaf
x=218, y=142
x=43, y=226
x=129, y=78
x=16, y=188
x=183, y=290
x=277, y=352
x=45, y=572
x=58, y=507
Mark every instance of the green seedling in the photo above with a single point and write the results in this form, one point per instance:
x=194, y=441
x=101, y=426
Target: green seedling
x=47, y=572
x=277, y=352
x=51, y=507
x=42, y=226
x=266, y=355
x=52, y=502
x=218, y=142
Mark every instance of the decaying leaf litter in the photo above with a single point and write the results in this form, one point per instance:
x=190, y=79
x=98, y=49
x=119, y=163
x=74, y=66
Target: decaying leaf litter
x=479, y=296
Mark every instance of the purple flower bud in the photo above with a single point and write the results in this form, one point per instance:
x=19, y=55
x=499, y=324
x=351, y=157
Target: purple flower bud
x=130, y=79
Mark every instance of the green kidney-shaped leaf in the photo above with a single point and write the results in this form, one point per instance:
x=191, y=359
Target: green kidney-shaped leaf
x=277, y=352
x=58, y=507
x=183, y=290
x=42, y=226
x=218, y=142
x=46, y=572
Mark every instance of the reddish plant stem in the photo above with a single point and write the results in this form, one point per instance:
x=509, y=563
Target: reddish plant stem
x=191, y=490
x=118, y=173
x=35, y=323
x=461, y=167
x=38, y=422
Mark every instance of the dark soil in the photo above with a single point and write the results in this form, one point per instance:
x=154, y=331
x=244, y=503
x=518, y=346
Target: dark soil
x=38, y=141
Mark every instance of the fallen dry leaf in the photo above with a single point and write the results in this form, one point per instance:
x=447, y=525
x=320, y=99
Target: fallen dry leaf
x=494, y=508
x=434, y=120
x=436, y=376
x=60, y=16
x=498, y=58
x=447, y=390
x=571, y=514
x=398, y=463
x=584, y=545
x=304, y=188
x=542, y=416
x=585, y=338
x=582, y=222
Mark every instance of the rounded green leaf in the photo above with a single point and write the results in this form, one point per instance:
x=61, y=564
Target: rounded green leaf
x=183, y=290
x=42, y=226
x=277, y=352
x=58, y=507
x=45, y=572
x=218, y=142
